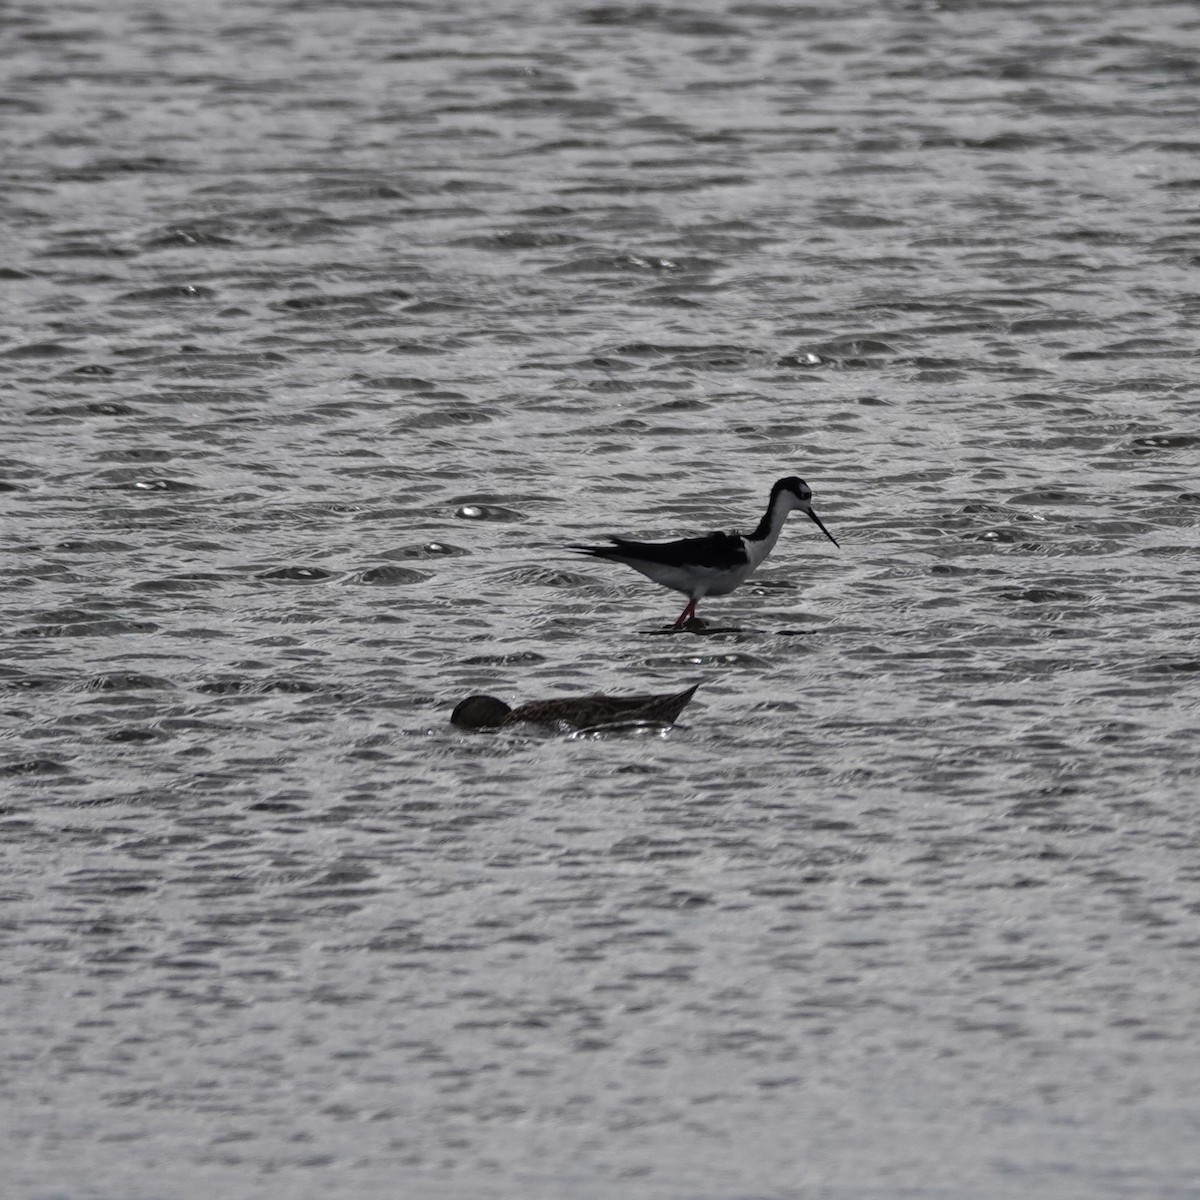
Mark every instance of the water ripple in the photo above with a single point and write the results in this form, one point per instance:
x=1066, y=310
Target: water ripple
x=329, y=327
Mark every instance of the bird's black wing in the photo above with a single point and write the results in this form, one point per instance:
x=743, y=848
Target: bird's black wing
x=721, y=551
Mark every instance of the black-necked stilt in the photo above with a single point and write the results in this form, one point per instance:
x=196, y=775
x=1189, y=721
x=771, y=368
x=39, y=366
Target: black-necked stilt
x=583, y=712
x=719, y=562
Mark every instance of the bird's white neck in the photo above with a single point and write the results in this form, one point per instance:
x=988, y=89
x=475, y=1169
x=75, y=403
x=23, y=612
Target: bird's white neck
x=762, y=541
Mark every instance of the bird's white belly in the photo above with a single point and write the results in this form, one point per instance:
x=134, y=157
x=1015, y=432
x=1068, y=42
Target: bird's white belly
x=694, y=583
x=728, y=580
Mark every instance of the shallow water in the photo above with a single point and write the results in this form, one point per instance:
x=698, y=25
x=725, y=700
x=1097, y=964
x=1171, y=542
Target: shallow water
x=327, y=327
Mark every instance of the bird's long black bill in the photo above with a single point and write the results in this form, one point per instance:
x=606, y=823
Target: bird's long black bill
x=821, y=527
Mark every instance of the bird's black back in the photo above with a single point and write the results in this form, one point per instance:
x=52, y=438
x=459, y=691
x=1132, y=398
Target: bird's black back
x=723, y=551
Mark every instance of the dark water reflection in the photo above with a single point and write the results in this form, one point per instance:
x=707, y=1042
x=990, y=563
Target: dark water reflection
x=326, y=327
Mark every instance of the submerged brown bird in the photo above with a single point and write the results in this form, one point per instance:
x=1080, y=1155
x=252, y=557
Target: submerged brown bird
x=579, y=712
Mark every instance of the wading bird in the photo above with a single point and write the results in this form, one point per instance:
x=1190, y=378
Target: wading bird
x=717, y=563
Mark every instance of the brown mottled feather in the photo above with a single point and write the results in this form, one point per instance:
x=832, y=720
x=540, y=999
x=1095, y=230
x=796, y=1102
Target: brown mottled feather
x=580, y=712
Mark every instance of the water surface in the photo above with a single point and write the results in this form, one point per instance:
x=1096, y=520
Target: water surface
x=327, y=327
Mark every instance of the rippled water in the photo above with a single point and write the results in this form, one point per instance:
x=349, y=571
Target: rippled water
x=327, y=326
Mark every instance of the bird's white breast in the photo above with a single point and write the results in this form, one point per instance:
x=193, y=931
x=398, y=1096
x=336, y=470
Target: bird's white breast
x=695, y=580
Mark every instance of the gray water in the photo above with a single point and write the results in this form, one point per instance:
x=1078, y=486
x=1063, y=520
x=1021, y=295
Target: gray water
x=326, y=327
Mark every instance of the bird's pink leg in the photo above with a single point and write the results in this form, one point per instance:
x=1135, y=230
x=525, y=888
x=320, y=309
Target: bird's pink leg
x=690, y=611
